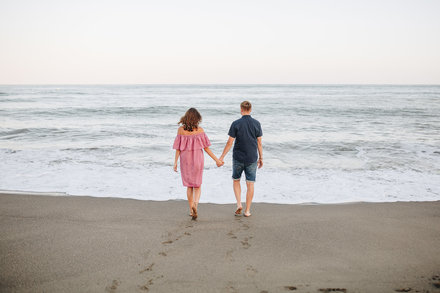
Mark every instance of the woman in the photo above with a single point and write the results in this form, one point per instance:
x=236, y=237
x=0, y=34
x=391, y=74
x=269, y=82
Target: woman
x=189, y=144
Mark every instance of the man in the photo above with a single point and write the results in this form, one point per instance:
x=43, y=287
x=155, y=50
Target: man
x=247, y=134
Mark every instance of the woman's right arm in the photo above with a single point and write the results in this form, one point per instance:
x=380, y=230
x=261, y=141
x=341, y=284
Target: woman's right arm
x=176, y=158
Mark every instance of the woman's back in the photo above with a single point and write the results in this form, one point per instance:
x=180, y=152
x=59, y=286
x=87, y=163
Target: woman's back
x=182, y=131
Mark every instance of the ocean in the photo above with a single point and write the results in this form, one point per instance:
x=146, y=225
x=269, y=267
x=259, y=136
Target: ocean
x=321, y=143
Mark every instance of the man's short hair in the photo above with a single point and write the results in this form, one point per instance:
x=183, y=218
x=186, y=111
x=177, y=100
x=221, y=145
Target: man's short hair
x=246, y=106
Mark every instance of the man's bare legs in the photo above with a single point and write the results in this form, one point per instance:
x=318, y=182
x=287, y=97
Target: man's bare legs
x=189, y=194
x=249, y=197
x=237, y=192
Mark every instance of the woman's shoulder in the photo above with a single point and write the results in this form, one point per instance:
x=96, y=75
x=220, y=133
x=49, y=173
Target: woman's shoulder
x=199, y=130
x=180, y=130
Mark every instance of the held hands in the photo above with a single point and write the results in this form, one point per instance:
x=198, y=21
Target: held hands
x=220, y=162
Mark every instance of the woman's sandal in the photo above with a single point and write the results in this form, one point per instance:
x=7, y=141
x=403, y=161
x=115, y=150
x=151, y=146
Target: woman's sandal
x=247, y=214
x=238, y=211
x=194, y=213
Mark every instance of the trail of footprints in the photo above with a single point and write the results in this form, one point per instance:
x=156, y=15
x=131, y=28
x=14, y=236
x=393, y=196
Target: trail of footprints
x=244, y=238
x=149, y=270
x=251, y=271
x=171, y=239
x=245, y=241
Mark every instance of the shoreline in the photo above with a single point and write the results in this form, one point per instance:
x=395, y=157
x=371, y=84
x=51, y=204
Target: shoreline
x=96, y=244
x=65, y=194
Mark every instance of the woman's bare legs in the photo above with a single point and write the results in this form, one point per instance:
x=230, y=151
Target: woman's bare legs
x=197, y=192
x=189, y=194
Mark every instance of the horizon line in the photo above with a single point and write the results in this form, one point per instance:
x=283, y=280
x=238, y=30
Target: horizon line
x=222, y=84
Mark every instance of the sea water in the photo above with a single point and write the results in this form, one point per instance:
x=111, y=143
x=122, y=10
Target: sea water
x=321, y=143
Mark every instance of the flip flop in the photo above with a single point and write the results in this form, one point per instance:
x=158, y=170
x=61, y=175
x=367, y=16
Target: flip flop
x=238, y=211
x=247, y=215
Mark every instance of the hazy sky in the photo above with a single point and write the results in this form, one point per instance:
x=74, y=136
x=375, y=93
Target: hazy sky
x=186, y=41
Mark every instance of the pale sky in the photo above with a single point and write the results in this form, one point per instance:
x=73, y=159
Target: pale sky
x=187, y=41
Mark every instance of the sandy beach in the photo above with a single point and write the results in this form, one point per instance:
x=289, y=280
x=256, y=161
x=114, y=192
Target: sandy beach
x=86, y=244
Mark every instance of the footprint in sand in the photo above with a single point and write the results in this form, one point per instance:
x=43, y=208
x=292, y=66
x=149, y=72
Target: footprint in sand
x=245, y=226
x=172, y=238
x=113, y=286
x=150, y=282
x=290, y=288
x=229, y=255
x=175, y=239
x=245, y=243
x=162, y=253
x=231, y=288
x=436, y=281
x=251, y=270
x=147, y=269
x=232, y=235
x=146, y=286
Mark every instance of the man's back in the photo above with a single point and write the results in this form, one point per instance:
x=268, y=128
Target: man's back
x=245, y=130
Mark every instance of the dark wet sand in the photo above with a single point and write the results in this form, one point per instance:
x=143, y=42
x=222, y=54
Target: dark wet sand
x=85, y=244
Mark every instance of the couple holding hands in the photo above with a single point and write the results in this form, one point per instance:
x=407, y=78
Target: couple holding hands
x=191, y=140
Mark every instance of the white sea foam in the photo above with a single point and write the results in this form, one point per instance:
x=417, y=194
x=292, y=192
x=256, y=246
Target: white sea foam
x=161, y=183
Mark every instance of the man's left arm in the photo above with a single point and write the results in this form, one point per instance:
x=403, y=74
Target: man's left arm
x=260, y=151
x=259, y=145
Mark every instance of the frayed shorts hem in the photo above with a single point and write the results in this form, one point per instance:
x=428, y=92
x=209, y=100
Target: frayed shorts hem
x=238, y=179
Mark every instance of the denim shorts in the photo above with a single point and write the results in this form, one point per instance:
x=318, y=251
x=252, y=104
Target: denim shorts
x=250, y=170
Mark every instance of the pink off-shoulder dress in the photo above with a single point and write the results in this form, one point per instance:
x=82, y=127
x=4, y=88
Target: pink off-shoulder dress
x=191, y=157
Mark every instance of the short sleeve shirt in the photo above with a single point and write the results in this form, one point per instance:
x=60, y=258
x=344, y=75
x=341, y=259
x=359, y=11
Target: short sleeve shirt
x=245, y=131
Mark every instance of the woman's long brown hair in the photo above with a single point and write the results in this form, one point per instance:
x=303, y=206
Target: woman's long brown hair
x=191, y=119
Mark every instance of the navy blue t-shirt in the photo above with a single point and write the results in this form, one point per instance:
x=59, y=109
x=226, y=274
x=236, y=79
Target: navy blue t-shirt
x=245, y=131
